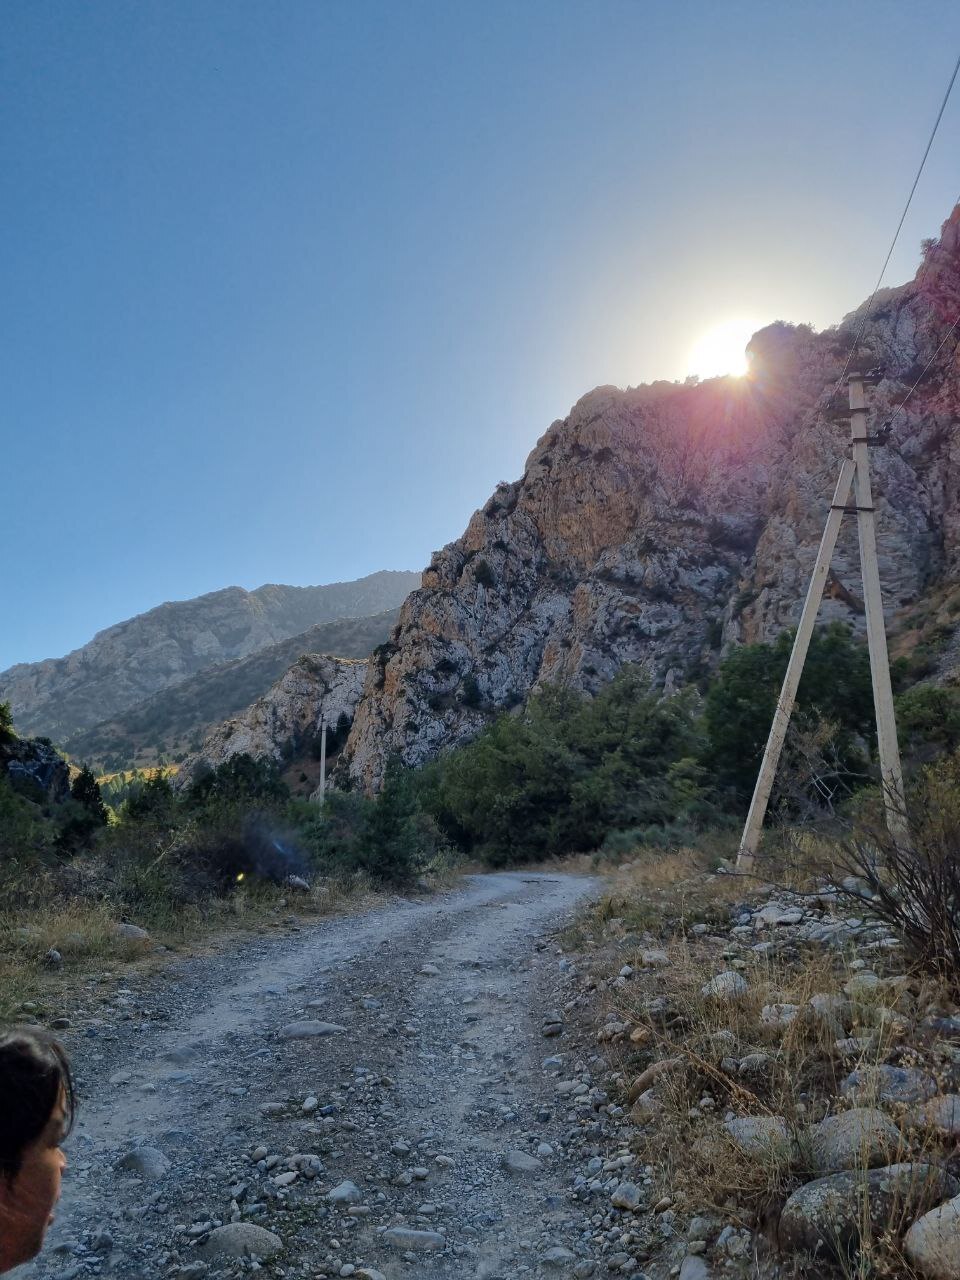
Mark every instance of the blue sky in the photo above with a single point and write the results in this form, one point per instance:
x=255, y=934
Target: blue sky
x=286, y=287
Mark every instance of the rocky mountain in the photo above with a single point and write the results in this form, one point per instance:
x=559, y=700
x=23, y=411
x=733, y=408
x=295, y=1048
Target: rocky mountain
x=659, y=524
x=284, y=725
x=175, y=720
x=133, y=660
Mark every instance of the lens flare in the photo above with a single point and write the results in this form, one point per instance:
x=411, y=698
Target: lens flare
x=719, y=351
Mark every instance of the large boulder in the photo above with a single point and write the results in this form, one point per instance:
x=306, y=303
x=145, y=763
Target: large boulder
x=940, y=1114
x=240, y=1240
x=906, y=1085
x=933, y=1242
x=857, y=1139
x=760, y=1135
x=827, y=1216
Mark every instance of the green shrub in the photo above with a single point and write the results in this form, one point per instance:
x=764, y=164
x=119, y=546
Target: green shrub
x=7, y=733
x=560, y=776
x=928, y=718
x=741, y=701
x=239, y=780
x=483, y=574
x=390, y=838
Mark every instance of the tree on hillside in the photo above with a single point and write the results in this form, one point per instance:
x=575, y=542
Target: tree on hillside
x=6, y=723
x=83, y=815
x=86, y=791
x=740, y=703
x=241, y=779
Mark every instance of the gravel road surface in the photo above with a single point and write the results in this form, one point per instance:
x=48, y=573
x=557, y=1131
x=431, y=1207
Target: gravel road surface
x=371, y=1096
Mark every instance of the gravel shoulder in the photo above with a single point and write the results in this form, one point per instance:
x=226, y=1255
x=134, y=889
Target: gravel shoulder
x=368, y=1097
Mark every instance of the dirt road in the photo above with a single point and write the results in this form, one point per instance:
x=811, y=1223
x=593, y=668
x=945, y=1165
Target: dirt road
x=375, y=1091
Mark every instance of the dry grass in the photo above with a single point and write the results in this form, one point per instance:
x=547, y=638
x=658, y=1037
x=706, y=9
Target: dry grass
x=85, y=935
x=726, y=1059
x=660, y=893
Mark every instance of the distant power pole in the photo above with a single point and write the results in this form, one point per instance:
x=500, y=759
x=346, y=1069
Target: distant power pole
x=323, y=759
x=854, y=473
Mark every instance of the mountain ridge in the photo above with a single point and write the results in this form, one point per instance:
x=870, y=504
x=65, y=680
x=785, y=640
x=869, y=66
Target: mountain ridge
x=185, y=712
x=128, y=662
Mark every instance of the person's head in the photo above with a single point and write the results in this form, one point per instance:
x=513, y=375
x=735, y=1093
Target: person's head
x=36, y=1112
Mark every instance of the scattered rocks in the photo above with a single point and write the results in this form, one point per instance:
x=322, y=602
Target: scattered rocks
x=906, y=1085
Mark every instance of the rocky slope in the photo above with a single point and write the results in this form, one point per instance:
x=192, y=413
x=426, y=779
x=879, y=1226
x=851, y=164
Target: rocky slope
x=657, y=524
x=175, y=720
x=285, y=722
x=35, y=768
x=129, y=662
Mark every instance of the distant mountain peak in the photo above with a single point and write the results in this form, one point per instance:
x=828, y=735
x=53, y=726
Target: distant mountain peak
x=132, y=660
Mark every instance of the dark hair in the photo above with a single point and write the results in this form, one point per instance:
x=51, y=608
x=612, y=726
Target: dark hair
x=34, y=1073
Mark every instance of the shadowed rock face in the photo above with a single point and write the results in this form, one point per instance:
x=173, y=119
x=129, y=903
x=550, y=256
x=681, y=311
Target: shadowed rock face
x=656, y=525
x=35, y=768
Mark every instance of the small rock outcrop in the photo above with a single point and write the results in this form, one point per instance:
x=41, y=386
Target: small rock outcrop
x=35, y=767
x=288, y=717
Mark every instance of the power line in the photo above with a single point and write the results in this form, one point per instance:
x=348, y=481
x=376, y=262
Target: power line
x=923, y=373
x=896, y=234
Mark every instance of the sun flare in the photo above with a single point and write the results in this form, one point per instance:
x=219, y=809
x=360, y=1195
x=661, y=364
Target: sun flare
x=719, y=351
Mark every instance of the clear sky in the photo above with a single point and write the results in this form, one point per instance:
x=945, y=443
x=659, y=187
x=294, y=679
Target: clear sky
x=287, y=286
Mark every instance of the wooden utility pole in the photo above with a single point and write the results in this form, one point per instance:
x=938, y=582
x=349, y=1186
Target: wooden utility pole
x=854, y=473
x=323, y=759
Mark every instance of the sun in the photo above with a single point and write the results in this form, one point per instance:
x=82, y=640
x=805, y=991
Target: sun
x=719, y=351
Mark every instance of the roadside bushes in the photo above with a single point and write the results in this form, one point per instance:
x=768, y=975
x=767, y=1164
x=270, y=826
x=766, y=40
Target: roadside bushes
x=912, y=884
x=568, y=770
x=391, y=838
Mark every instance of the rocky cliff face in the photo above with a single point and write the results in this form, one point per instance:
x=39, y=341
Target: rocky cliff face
x=134, y=659
x=658, y=524
x=35, y=768
x=286, y=720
